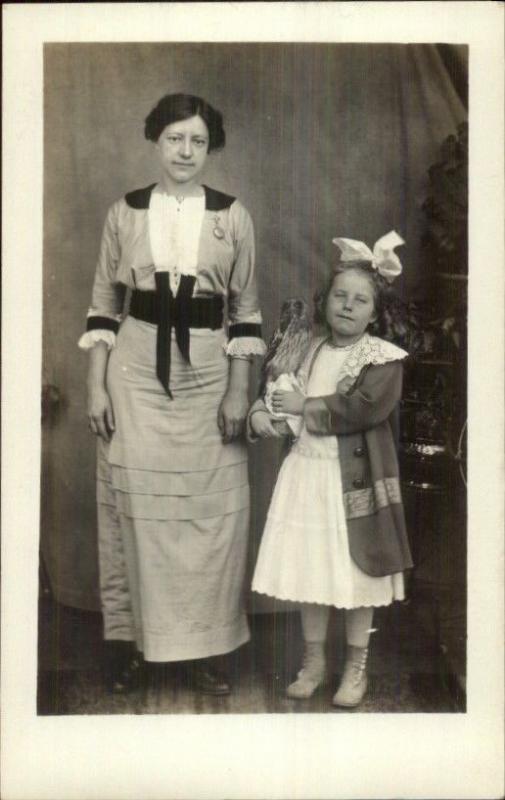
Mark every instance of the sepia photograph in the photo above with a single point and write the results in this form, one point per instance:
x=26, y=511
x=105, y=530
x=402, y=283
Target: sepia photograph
x=253, y=435
x=214, y=540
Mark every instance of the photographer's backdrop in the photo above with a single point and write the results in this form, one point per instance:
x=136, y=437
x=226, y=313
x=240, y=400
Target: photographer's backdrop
x=323, y=140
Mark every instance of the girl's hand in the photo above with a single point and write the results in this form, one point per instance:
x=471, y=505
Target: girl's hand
x=262, y=425
x=345, y=384
x=287, y=402
x=232, y=413
x=100, y=413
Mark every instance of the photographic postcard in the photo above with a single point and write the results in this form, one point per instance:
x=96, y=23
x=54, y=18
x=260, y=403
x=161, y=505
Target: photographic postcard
x=334, y=114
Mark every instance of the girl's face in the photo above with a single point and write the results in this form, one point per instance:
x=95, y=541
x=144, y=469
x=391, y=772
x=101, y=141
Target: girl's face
x=183, y=148
x=350, y=306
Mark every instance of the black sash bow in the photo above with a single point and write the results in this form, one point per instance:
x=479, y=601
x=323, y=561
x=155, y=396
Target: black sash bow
x=181, y=313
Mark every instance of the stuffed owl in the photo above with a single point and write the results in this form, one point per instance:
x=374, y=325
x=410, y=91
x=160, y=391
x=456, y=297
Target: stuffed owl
x=285, y=353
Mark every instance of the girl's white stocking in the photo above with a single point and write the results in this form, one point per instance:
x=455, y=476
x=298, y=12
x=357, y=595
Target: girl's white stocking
x=314, y=622
x=358, y=626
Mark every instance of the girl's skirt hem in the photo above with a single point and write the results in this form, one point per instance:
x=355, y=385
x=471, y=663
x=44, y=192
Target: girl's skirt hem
x=331, y=603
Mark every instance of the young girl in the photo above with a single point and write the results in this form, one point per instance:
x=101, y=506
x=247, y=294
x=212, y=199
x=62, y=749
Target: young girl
x=335, y=532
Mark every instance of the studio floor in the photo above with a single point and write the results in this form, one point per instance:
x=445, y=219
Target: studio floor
x=408, y=670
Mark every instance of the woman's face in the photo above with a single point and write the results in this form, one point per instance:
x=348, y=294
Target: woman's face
x=350, y=306
x=183, y=147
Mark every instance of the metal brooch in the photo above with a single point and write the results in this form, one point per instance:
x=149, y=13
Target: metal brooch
x=218, y=231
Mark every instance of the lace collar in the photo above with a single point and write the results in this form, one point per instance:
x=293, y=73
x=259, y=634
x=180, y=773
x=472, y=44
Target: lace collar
x=370, y=350
x=367, y=350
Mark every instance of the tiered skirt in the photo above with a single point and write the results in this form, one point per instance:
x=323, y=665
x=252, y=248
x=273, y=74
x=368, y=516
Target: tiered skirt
x=173, y=503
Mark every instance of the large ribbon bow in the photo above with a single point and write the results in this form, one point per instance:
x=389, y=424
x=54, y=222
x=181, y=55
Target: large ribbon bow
x=383, y=258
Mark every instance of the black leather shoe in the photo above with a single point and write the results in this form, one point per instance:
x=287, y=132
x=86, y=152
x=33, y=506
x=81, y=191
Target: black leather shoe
x=207, y=680
x=122, y=667
x=126, y=679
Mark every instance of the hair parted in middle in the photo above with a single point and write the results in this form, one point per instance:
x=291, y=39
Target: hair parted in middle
x=176, y=107
x=391, y=318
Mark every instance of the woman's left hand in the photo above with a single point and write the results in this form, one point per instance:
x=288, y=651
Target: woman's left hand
x=232, y=413
x=287, y=402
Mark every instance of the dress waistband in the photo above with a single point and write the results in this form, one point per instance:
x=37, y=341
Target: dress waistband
x=199, y=312
x=180, y=313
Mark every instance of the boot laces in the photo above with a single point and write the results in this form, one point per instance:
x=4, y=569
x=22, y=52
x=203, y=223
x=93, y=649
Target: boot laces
x=356, y=673
x=356, y=667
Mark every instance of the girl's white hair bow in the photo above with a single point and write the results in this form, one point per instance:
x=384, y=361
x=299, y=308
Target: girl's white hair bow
x=383, y=258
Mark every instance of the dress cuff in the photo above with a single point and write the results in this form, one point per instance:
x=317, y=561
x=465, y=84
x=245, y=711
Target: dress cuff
x=89, y=339
x=97, y=322
x=245, y=347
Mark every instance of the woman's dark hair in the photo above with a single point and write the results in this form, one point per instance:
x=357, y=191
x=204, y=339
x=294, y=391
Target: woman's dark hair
x=391, y=322
x=176, y=107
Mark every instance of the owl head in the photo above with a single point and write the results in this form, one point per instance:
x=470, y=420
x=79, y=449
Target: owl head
x=294, y=312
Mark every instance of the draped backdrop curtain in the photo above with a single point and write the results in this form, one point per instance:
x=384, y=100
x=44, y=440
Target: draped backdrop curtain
x=323, y=140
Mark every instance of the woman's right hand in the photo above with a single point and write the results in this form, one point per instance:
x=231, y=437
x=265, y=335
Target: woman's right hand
x=261, y=424
x=100, y=413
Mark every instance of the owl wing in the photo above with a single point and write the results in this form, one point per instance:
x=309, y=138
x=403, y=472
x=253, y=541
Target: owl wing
x=272, y=347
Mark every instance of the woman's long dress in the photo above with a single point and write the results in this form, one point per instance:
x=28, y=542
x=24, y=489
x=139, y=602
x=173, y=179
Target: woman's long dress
x=304, y=553
x=173, y=500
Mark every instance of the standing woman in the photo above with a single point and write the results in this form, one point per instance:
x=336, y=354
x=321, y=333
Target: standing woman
x=168, y=396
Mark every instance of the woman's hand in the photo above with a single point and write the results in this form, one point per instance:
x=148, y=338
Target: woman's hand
x=261, y=423
x=100, y=413
x=232, y=413
x=287, y=402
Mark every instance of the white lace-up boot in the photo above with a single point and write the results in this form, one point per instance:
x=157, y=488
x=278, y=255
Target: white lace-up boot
x=312, y=674
x=354, y=680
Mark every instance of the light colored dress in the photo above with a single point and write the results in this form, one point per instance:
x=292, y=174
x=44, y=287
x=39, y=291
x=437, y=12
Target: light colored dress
x=173, y=500
x=304, y=553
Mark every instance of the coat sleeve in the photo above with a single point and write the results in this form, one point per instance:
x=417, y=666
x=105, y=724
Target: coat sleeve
x=244, y=316
x=371, y=401
x=104, y=314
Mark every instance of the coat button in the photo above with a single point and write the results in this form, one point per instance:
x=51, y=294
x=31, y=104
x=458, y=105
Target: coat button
x=358, y=483
x=359, y=451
